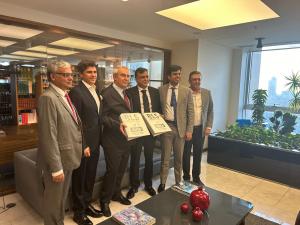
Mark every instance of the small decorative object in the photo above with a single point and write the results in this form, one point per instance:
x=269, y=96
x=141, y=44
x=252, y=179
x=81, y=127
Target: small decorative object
x=185, y=207
x=197, y=214
x=199, y=198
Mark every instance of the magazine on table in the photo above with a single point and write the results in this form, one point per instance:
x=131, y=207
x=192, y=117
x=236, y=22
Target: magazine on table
x=133, y=216
x=185, y=187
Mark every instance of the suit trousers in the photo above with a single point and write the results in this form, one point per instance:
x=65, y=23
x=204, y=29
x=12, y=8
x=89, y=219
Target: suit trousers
x=55, y=196
x=197, y=144
x=171, y=140
x=116, y=159
x=147, y=143
x=83, y=180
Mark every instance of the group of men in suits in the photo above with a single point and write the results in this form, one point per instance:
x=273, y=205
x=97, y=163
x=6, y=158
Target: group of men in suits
x=72, y=125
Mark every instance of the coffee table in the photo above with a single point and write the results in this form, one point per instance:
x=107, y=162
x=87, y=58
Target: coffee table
x=165, y=207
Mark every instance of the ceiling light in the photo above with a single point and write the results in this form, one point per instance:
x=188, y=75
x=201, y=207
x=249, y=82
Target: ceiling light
x=33, y=54
x=16, y=57
x=17, y=32
x=54, y=51
x=4, y=43
x=80, y=44
x=208, y=14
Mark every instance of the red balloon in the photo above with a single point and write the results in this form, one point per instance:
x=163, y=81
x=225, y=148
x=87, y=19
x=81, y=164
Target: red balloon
x=197, y=214
x=185, y=207
x=199, y=198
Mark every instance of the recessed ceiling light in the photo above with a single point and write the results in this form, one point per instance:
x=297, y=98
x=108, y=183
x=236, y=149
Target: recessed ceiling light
x=54, y=51
x=5, y=43
x=33, y=54
x=208, y=14
x=124, y=0
x=17, y=32
x=80, y=44
x=16, y=57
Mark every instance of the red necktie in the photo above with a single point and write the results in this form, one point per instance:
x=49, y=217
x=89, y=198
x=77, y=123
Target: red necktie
x=72, y=108
x=126, y=99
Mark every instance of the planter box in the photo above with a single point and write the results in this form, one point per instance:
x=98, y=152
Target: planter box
x=263, y=161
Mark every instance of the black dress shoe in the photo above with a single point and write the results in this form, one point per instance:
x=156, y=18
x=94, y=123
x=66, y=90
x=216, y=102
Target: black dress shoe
x=150, y=191
x=198, y=182
x=105, y=209
x=91, y=211
x=161, y=188
x=120, y=198
x=81, y=219
x=131, y=192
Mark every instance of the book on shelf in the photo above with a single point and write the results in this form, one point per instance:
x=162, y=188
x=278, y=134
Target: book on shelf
x=155, y=123
x=185, y=187
x=135, y=125
x=133, y=216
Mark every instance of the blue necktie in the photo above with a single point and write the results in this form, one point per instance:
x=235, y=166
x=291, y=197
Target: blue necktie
x=174, y=103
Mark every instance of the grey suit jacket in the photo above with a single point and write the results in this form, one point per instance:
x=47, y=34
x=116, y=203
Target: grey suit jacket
x=185, y=108
x=60, y=136
x=207, y=115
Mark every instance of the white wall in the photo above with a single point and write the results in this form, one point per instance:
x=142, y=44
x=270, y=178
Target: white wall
x=185, y=54
x=215, y=63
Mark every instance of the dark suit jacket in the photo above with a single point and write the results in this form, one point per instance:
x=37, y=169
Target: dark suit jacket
x=87, y=110
x=113, y=106
x=133, y=94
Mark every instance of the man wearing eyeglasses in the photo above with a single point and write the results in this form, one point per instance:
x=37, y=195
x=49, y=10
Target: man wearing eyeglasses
x=178, y=110
x=115, y=145
x=87, y=101
x=60, y=141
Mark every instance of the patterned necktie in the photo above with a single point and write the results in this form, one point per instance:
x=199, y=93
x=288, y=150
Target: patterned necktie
x=126, y=99
x=174, y=103
x=71, y=106
x=145, y=101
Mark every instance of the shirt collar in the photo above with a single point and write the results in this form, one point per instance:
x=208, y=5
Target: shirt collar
x=88, y=85
x=140, y=89
x=118, y=89
x=59, y=90
x=171, y=86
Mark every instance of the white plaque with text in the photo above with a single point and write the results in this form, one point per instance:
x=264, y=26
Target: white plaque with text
x=156, y=124
x=135, y=125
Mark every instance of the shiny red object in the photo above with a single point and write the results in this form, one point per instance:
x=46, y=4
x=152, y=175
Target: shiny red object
x=197, y=214
x=200, y=198
x=185, y=207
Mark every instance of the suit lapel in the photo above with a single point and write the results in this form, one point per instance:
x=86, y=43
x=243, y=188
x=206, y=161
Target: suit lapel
x=165, y=95
x=60, y=98
x=89, y=96
x=137, y=96
x=120, y=98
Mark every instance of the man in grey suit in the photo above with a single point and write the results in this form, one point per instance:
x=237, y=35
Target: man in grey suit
x=60, y=141
x=178, y=111
x=203, y=107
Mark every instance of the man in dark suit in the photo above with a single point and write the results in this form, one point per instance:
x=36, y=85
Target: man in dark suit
x=59, y=142
x=144, y=99
x=115, y=145
x=203, y=120
x=178, y=110
x=87, y=101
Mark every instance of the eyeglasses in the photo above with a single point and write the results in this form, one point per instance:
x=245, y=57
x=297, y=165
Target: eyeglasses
x=65, y=74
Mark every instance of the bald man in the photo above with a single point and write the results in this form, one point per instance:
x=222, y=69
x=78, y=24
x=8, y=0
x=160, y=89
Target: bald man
x=115, y=145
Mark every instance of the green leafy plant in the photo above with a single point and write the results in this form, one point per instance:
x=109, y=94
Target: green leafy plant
x=260, y=135
x=283, y=123
x=259, y=98
x=294, y=87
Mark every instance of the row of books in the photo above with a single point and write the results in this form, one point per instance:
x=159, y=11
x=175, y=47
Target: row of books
x=27, y=118
x=139, y=124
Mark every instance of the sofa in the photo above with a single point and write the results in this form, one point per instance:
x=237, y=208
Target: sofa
x=29, y=185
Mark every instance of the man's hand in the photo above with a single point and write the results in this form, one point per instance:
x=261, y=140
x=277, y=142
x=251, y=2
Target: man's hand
x=122, y=128
x=207, y=131
x=188, y=136
x=59, y=178
x=87, y=152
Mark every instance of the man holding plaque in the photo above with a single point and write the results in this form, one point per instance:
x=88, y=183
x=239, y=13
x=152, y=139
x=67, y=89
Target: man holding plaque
x=178, y=110
x=144, y=99
x=115, y=145
x=203, y=107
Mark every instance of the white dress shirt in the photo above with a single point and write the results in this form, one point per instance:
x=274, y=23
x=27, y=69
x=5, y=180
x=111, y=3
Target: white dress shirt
x=92, y=90
x=141, y=98
x=169, y=109
x=197, y=108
